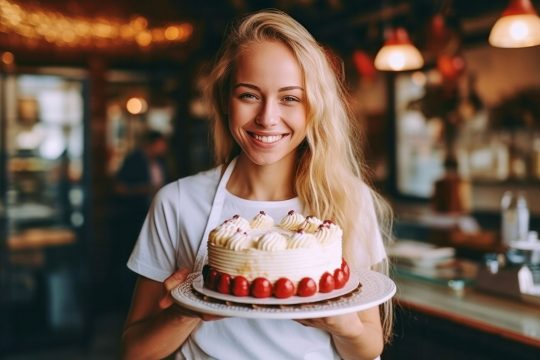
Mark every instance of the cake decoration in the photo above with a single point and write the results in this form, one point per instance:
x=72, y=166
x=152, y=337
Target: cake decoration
x=292, y=221
x=299, y=256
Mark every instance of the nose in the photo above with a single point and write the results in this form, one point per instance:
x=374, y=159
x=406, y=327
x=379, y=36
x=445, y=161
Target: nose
x=268, y=115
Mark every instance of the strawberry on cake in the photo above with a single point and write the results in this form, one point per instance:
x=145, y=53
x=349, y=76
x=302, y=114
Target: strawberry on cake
x=299, y=256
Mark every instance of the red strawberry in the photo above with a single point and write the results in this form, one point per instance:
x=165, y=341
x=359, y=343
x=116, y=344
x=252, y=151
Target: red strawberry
x=211, y=280
x=240, y=286
x=261, y=288
x=224, y=283
x=306, y=287
x=339, y=277
x=327, y=283
x=283, y=288
x=346, y=270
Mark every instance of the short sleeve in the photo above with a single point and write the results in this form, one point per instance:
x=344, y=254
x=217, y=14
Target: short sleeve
x=367, y=248
x=154, y=254
x=376, y=247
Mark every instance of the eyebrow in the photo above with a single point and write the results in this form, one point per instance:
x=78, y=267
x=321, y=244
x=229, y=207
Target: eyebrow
x=254, y=87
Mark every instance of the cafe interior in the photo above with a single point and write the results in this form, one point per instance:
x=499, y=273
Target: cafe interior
x=446, y=92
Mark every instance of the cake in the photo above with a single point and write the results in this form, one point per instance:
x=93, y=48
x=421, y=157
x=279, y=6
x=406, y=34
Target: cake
x=299, y=256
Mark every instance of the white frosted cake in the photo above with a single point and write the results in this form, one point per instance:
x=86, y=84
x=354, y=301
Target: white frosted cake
x=299, y=256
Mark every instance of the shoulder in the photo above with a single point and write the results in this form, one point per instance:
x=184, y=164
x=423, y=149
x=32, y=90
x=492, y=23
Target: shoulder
x=203, y=179
x=199, y=186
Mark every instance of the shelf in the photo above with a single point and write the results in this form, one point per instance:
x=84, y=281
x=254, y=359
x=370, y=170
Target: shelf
x=40, y=238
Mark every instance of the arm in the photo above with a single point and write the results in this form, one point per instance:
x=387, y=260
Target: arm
x=155, y=327
x=356, y=335
x=363, y=338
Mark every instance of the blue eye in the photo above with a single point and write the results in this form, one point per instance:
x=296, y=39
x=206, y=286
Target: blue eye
x=289, y=98
x=248, y=96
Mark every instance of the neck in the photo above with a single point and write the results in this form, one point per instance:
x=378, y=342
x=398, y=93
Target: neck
x=263, y=182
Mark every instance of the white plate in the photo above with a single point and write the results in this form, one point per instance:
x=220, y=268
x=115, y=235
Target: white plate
x=198, y=285
x=375, y=289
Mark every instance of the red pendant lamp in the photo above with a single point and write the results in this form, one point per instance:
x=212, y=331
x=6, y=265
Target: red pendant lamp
x=398, y=53
x=519, y=26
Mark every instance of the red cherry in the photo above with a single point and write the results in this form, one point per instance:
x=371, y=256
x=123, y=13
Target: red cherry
x=211, y=279
x=346, y=270
x=240, y=286
x=224, y=283
x=327, y=283
x=306, y=287
x=283, y=288
x=261, y=288
x=339, y=277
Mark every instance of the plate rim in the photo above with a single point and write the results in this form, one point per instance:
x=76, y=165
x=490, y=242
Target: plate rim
x=186, y=296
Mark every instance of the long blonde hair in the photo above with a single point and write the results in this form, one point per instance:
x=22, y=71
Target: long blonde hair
x=329, y=178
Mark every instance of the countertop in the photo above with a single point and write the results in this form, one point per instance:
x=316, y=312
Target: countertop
x=506, y=317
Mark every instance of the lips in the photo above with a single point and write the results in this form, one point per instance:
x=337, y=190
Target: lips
x=267, y=139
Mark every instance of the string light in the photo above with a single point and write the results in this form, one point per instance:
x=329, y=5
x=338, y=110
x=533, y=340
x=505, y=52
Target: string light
x=36, y=24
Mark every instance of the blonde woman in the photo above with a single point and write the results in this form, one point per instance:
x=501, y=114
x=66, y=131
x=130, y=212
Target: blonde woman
x=284, y=138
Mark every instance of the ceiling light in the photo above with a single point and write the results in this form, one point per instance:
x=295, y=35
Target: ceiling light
x=519, y=26
x=398, y=53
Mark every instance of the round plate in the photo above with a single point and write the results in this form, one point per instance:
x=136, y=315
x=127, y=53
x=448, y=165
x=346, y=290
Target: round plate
x=198, y=285
x=374, y=289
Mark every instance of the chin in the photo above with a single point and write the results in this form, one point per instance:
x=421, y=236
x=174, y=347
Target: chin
x=266, y=160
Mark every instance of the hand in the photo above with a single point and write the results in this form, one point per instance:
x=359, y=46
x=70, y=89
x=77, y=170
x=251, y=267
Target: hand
x=167, y=302
x=346, y=325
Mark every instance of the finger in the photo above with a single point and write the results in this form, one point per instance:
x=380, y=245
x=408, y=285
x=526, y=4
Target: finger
x=175, y=279
x=165, y=302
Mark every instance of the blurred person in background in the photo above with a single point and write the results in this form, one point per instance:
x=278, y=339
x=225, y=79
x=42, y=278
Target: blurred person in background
x=141, y=174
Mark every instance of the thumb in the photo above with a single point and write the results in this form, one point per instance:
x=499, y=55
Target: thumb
x=175, y=279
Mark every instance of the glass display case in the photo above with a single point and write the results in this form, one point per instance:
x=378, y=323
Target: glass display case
x=43, y=209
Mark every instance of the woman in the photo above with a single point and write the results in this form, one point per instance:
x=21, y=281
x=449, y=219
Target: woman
x=282, y=132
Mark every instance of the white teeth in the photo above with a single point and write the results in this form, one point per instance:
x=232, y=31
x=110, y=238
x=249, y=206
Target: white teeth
x=268, y=139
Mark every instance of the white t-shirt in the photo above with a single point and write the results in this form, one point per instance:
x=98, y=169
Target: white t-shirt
x=169, y=240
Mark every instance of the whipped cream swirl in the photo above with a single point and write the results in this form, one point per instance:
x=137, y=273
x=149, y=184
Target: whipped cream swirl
x=239, y=241
x=272, y=241
x=240, y=223
x=328, y=232
x=311, y=224
x=301, y=239
x=292, y=221
x=222, y=233
x=262, y=221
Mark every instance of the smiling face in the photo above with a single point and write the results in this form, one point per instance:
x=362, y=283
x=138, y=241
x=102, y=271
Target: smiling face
x=267, y=109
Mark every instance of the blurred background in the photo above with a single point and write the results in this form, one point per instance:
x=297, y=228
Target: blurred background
x=91, y=90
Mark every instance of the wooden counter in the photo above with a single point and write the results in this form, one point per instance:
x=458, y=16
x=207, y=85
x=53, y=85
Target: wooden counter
x=497, y=315
x=436, y=322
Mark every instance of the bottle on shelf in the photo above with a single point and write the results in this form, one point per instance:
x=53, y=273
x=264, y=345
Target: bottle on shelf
x=514, y=217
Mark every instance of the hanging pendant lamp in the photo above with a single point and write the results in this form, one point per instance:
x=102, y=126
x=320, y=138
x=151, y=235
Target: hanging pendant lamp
x=398, y=53
x=519, y=26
